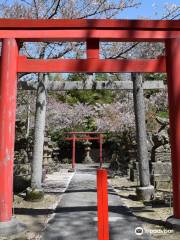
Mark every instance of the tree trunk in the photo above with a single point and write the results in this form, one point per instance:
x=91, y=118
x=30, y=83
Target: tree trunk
x=28, y=120
x=141, y=136
x=39, y=129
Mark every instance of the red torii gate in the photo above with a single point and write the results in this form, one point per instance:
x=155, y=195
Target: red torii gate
x=12, y=32
x=88, y=136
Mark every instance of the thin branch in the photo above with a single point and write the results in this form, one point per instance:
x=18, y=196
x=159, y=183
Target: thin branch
x=97, y=11
x=55, y=10
x=170, y=13
x=137, y=43
x=175, y=16
x=26, y=2
x=30, y=56
x=49, y=9
x=125, y=51
x=65, y=51
x=36, y=10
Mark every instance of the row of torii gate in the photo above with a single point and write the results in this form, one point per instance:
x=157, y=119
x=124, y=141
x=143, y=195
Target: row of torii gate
x=13, y=32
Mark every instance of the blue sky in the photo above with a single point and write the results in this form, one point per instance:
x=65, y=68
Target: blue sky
x=148, y=8
x=152, y=9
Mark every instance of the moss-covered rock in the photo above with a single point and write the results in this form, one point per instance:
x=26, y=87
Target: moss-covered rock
x=34, y=195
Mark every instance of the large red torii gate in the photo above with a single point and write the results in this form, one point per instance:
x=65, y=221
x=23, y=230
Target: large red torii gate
x=12, y=32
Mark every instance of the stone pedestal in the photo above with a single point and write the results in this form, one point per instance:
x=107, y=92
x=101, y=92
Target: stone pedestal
x=145, y=193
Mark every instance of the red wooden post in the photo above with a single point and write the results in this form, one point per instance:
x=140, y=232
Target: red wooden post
x=73, y=151
x=102, y=205
x=100, y=148
x=7, y=125
x=173, y=72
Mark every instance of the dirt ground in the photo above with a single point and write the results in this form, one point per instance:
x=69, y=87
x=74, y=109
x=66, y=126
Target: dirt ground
x=153, y=217
x=35, y=215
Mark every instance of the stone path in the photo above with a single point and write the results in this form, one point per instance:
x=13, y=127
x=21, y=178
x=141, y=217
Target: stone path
x=75, y=216
x=58, y=181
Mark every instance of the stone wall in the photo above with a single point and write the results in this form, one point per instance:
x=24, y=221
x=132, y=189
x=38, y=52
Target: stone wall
x=23, y=157
x=159, y=158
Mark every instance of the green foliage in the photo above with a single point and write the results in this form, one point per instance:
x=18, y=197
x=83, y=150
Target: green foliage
x=58, y=135
x=90, y=124
x=76, y=77
x=59, y=96
x=89, y=96
x=163, y=114
x=155, y=76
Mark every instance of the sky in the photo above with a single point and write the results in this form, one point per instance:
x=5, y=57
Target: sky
x=152, y=9
x=148, y=8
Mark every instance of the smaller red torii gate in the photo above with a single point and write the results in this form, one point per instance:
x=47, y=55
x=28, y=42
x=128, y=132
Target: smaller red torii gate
x=88, y=136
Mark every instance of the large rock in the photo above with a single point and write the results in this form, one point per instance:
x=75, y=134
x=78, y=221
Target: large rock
x=161, y=156
x=161, y=175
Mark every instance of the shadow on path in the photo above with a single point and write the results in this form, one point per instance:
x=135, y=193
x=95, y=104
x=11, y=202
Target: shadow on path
x=75, y=217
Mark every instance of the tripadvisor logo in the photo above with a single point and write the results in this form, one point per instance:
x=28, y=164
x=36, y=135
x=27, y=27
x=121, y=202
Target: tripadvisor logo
x=139, y=231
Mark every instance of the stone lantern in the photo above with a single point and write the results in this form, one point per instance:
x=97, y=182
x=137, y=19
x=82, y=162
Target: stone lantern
x=87, y=149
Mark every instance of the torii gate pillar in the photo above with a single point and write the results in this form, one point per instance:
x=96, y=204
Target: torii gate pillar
x=8, y=85
x=173, y=67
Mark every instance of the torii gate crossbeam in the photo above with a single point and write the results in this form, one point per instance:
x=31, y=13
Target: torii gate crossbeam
x=13, y=31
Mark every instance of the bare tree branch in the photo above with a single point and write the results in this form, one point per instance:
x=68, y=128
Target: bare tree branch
x=36, y=9
x=26, y=2
x=55, y=10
